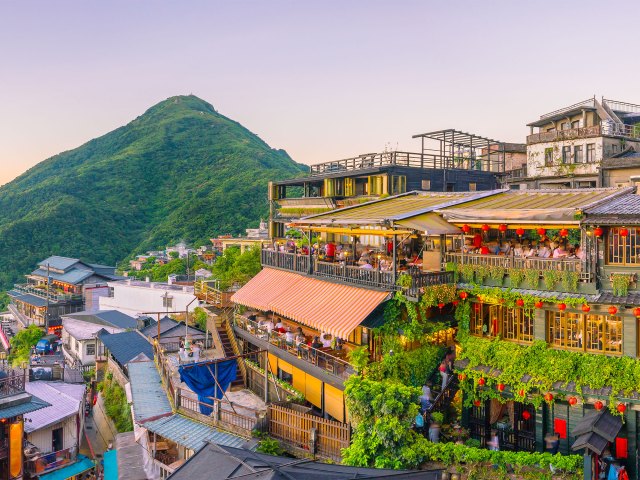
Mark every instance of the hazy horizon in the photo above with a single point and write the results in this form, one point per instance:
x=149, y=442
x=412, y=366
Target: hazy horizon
x=321, y=81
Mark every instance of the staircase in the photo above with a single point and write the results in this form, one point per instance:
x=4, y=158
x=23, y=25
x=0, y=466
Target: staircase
x=445, y=397
x=230, y=348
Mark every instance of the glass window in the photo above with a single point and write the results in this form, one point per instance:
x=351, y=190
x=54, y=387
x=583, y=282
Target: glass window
x=566, y=154
x=517, y=324
x=426, y=184
x=623, y=250
x=548, y=156
x=349, y=187
x=91, y=348
x=589, y=333
x=591, y=152
x=575, y=124
x=167, y=302
x=473, y=186
x=577, y=154
x=398, y=184
x=513, y=324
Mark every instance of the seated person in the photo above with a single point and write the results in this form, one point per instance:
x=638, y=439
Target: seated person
x=289, y=336
x=316, y=344
x=280, y=327
x=505, y=248
x=580, y=253
x=560, y=252
x=517, y=251
x=326, y=340
x=267, y=325
x=484, y=250
x=367, y=266
x=544, y=251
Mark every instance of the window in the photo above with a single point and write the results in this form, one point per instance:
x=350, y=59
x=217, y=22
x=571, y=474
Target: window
x=514, y=324
x=91, y=348
x=548, y=156
x=376, y=185
x=77, y=345
x=167, y=301
x=565, y=126
x=473, y=186
x=575, y=124
x=426, y=184
x=588, y=333
x=623, y=250
x=285, y=376
x=329, y=187
x=451, y=187
x=577, y=154
x=614, y=148
x=398, y=184
x=566, y=154
x=517, y=325
x=349, y=187
x=591, y=152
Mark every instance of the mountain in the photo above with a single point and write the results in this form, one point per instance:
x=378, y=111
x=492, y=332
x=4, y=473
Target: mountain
x=181, y=171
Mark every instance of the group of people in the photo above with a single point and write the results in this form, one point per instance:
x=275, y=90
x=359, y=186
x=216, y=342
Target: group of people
x=445, y=370
x=525, y=249
x=298, y=338
x=189, y=352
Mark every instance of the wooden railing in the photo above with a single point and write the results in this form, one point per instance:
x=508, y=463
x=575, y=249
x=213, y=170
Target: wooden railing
x=445, y=397
x=287, y=261
x=299, y=429
x=13, y=383
x=165, y=471
x=53, y=293
x=209, y=291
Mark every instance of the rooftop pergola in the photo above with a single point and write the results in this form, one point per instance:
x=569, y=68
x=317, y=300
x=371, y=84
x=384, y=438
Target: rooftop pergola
x=466, y=150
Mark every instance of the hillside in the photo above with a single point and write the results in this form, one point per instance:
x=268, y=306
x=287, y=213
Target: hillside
x=181, y=171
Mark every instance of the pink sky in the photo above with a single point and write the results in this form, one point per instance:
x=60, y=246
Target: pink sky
x=323, y=80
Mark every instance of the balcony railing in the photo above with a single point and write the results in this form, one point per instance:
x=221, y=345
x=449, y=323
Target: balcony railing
x=13, y=383
x=321, y=358
x=209, y=291
x=606, y=128
x=350, y=273
x=41, y=292
x=50, y=461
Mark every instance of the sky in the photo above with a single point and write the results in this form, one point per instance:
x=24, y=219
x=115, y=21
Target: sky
x=323, y=80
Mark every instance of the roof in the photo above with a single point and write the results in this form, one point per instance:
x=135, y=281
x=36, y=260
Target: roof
x=110, y=465
x=330, y=307
x=30, y=404
x=430, y=224
x=59, y=263
x=131, y=457
x=148, y=395
x=169, y=326
x=112, y=318
x=126, y=346
x=624, y=209
x=532, y=207
x=65, y=400
x=191, y=434
x=27, y=298
x=595, y=430
x=229, y=462
x=458, y=137
x=73, y=277
x=82, y=464
x=81, y=330
x=588, y=104
x=540, y=293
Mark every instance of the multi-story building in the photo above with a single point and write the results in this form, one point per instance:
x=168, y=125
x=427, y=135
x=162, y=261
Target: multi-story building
x=448, y=160
x=566, y=148
x=59, y=285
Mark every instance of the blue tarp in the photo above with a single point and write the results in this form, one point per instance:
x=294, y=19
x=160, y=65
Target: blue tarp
x=110, y=464
x=199, y=377
x=82, y=465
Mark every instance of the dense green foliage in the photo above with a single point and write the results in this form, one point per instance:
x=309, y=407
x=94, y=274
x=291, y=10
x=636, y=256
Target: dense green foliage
x=200, y=318
x=21, y=344
x=4, y=301
x=181, y=171
x=159, y=273
x=235, y=267
x=115, y=402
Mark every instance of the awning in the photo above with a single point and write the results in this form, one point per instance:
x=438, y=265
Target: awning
x=324, y=305
x=429, y=224
x=554, y=217
x=110, y=464
x=262, y=289
x=82, y=465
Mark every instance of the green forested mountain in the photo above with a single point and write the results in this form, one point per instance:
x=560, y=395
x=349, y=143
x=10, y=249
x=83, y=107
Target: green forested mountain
x=181, y=171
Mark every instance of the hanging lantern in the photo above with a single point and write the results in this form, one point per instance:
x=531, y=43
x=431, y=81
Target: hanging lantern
x=562, y=307
x=500, y=387
x=636, y=312
x=520, y=302
x=462, y=377
x=502, y=227
x=573, y=401
x=477, y=403
x=621, y=407
x=455, y=303
x=440, y=305
x=481, y=382
x=463, y=295
x=624, y=232
x=548, y=397
x=541, y=231
x=520, y=231
x=598, y=405
x=526, y=415
x=564, y=232
x=598, y=232
x=486, y=228
x=466, y=228
x=612, y=310
x=586, y=308
x=539, y=304
x=522, y=393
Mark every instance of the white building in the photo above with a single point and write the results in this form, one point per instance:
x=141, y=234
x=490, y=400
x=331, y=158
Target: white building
x=135, y=297
x=54, y=433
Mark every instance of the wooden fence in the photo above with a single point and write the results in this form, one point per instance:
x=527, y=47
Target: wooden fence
x=296, y=429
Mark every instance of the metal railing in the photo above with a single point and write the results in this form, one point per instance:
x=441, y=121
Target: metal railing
x=287, y=261
x=13, y=383
x=42, y=292
x=606, y=128
x=590, y=102
x=50, y=461
x=315, y=356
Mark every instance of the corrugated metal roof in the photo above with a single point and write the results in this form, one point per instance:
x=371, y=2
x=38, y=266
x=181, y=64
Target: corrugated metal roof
x=81, y=330
x=191, y=434
x=126, y=345
x=20, y=409
x=106, y=317
x=27, y=298
x=148, y=395
x=65, y=400
x=72, y=276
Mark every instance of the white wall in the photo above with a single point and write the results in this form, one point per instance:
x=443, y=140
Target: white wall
x=43, y=438
x=140, y=297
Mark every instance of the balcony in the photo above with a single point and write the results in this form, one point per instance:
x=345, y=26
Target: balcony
x=13, y=383
x=569, y=134
x=54, y=294
x=50, y=461
x=375, y=278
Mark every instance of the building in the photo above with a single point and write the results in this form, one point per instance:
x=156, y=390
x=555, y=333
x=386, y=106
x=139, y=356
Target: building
x=621, y=169
x=60, y=285
x=124, y=347
x=137, y=297
x=54, y=433
x=170, y=332
x=449, y=160
x=80, y=344
x=566, y=148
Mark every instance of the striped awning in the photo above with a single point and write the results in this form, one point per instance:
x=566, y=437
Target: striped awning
x=326, y=306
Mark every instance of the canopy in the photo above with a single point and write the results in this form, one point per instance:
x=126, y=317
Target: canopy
x=82, y=465
x=429, y=224
x=201, y=378
x=531, y=218
x=262, y=289
x=110, y=464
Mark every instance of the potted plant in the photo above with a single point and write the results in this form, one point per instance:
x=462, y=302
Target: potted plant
x=436, y=424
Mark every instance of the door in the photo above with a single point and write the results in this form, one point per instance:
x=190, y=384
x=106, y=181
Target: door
x=57, y=440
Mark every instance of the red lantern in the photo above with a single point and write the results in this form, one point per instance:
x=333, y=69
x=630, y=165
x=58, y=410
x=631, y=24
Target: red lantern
x=598, y=232
x=477, y=403
x=564, y=232
x=573, y=401
x=586, y=308
x=440, y=305
x=466, y=228
x=624, y=232
x=636, y=312
x=539, y=304
x=562, y=307
x=455, y=303
x=486, y=228
x=502, y=227
x=548, y=397
x=541, y=231
x=463, y=295
x=526, y=415
x=520, y=232
x=520, y=302
x=481, y=381
x=621, y=407
x=598, y=405
x=522, y=393
x=500, y=387
x=612, y=310
x=462, y=377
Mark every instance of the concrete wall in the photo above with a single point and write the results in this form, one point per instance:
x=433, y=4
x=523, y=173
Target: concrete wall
x=536, y=158
x=135, y=299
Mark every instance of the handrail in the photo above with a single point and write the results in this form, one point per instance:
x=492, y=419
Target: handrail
x=590, y=102
x=13, y=383
x=42, y=292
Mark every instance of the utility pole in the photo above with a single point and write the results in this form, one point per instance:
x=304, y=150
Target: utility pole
x=46, y=312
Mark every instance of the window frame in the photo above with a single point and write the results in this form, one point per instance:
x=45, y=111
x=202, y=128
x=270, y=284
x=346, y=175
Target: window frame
x=627, y=247
x=513, y=324
x=590, y=153
x=582, y=329
x=548, y=157
x=578, y=154
x=566, y=154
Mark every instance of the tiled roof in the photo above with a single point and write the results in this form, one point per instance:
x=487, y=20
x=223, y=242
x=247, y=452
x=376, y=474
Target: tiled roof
x=629, y=299
x=65, y=400
x=112, y=318
x=540, y=293
x=149, y=397
x=30, y=405
x=59, y=263
x=81, y=330
x=191, y=434
x=126, y=346
x=27, y=298
x=620, y=210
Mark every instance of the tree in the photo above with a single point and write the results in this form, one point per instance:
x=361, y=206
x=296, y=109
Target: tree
x=235, y=267
x=21, y=344
x=200, y=318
